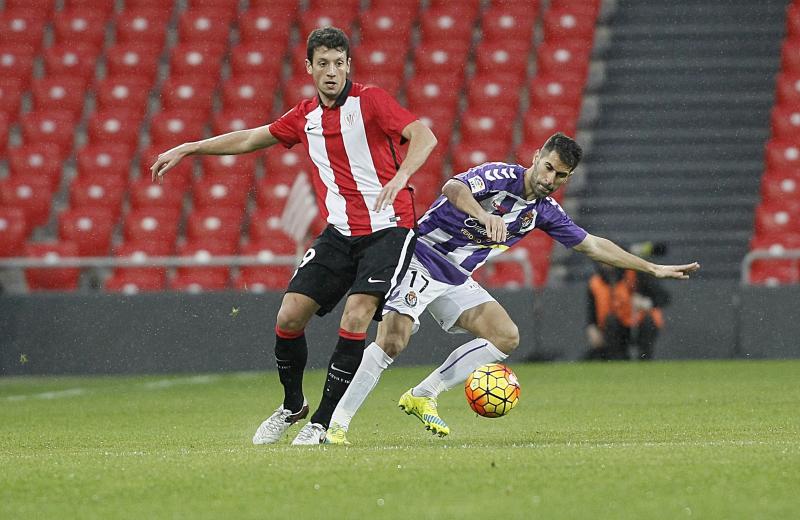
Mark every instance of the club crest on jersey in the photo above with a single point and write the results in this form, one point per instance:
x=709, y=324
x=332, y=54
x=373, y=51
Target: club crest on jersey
x=476, y=184
x=527, y=221
x=411, y=299
x=350, y=119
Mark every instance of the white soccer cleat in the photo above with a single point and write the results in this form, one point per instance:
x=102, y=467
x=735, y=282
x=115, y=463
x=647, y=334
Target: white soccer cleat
x=273, y=428
x=311, y=434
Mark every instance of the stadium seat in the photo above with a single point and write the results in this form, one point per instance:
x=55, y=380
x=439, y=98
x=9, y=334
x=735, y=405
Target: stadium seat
x=133, y=283
x=39, y=161
x=783, y=155
x=410, y=8
x=105, y=160
x=4, y=127
x=787, y=87
x=188, y=94
x=131, y=60
x=32, y=195
x=236, y=119
x=140, y=252
x=98, y=191
x=42, y=8
x=380, y=24
x=253, y=94
x=539, y=124
x=468, y=154
x=318, y=17
x=271, y=197
x=259, y=278
x=790, y=56
x=425, y=90
x=780, y=185
x=202, y=59
x=349, y=6
x=241, y=168
x=70, y=60
x=441, y=58
x=508, y=58
x=281, y=163
x=13, y=231
x=205, y=25
x=168, y=129
x=550, y=91
x=258, y=59
x=104, y=9
x=146, y=194
x=158, y=225
x=59, y=93
x=120, y=127
x=221, y=224
x=506, y=275
x=159, y=5
x=228, y=7
x=270, y=26
x=297, y=59
x=439, y=119
x=493, y=90
x=198, y=282
x=56, y=127
x=194, y=279
x=130, y=93
x=88, y=228
x=775, y=272
x=512, y=21
x=22, y=27
x=55, y=279
x=10, y=98
x=264, y=224
x=179, y=177
x=487, y=123
x=297, y=88
x=778, y=217
x=80, y=28
x=16, y=61
x=221, y=192
x=142, y=27
x=380, y=57
x=447, y=23
x=554, y=59
x=569, y=24
x=785, y=123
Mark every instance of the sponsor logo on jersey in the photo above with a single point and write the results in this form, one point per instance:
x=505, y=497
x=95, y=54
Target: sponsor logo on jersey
x=476, y=184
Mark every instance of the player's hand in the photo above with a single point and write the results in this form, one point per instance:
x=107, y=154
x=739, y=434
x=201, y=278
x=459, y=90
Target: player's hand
x=495, y=227
x=166, y=161
x=680, y=272
x=389, y=192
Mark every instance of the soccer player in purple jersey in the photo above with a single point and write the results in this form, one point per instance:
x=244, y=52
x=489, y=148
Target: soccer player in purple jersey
x=481, y=213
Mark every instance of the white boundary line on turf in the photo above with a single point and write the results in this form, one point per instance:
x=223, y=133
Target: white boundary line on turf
x=57, y=394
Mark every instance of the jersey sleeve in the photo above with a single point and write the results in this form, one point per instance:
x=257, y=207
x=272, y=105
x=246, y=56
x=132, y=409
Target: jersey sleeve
x=554, y=221
x=391, y=117
x=287, y=128
x=491, y=178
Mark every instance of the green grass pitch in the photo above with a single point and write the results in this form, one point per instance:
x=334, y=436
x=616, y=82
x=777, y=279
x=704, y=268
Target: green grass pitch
x=638, y=440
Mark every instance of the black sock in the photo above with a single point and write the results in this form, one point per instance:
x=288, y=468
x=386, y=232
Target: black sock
x=291, y=355
x=344, y=363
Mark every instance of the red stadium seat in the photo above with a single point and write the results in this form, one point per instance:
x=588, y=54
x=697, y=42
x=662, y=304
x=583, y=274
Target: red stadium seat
x=228, y=7
x=426, y=90
x=788, y=89
x=779, y=217
x=780, y=185
x=284, y=163
x=32, y=195
x=264, y=224
x=127, y=282
x=221, y=192
x=205, y=25
x=380, y=57
x=168, y=129
x=104, y=9
x=120, y=127
x=549, y=91
x=409, y=8
x=271, y=196
x=785, y=122
x=178, y=178
x=487, y=123
x=70, y=60
x=88, y=228
x=447, y=23
x=468, y=154
x=493, y=90
x=298, y=88
x=507, y=275
x=105, y=160
x=241, y=168
x=132, y=60
x=569, y=24
x=129, y=93
x=390, y=82
x=783, y=155
x=252, y=94
x=790, y=56
x=4, y=125
x=192, y=282
x=158, y=225
x=146, y=194
x=202, y=278
x=441, y=58
x=22, y=27
x=267, y=25
x=80, y=27
x=777, y=242
x=40, y=161
x=97, y=192
x=222, y=224
x=55, y=127
x=10, y=97
x=13, y=231
x=439, y=119
x=259, y=278
x=258, y=59
x=42, y=8
x=16, y=61
x=203, y=59
x=558, y=58
x=140, y=252
x=56, y=279
x=142, y=27
x=236, y=119
x=540, y=124
x=189, y=94
x=160, y=5
x=59, y=93
x=513, y=21
x=379, y=24
x=316, y=18
x=508, y=58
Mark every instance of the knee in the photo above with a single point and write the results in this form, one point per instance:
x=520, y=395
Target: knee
x=393, y=344
x=291, y=318
x=357, y=315
x=506, y=338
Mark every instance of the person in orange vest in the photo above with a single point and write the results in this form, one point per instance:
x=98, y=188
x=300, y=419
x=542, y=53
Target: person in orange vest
x=624, y=312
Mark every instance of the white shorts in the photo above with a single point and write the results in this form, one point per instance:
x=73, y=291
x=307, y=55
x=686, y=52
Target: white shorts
x=419, y=291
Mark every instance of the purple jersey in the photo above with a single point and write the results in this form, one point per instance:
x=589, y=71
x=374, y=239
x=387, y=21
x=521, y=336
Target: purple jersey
x=452, y=244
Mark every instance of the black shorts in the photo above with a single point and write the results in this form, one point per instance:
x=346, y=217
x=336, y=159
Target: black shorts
x=336, y=264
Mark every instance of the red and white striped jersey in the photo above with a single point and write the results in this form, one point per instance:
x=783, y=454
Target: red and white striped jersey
x=355, y=148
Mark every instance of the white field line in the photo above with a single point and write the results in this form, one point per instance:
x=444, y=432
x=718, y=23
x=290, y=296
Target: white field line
x=150, y=385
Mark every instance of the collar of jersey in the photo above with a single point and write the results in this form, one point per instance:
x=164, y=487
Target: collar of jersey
x=340, y=100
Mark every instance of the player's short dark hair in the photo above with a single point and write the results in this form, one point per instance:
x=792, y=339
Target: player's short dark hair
x=330, y=37
x=568, y=150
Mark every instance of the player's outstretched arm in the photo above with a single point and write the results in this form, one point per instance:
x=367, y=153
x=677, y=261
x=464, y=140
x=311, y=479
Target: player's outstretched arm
x=232, y=143
x=603, y=250
x=421, y=143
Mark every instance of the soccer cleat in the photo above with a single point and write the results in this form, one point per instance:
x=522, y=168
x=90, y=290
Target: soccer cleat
x=309, y=435
x=273, y=428
x=336, y=435
x=425, y=410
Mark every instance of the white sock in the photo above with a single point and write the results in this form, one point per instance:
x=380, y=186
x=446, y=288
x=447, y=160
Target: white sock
x=458, y=366
x=374, y=362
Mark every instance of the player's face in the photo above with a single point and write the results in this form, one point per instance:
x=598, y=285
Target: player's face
x=329, y=69
x=546, y=175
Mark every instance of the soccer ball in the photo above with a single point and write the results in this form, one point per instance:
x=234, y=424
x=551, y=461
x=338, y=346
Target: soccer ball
x=492, y=390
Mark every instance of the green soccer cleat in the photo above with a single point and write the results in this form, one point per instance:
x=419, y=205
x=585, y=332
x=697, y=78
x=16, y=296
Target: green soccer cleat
x=425, y=410
x=336, y=435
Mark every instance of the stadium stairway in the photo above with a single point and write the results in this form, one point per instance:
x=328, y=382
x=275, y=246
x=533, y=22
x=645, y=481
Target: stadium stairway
x=677, y=148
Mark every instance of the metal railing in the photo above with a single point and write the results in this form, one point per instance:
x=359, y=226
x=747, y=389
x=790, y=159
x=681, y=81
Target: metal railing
x=767, y=254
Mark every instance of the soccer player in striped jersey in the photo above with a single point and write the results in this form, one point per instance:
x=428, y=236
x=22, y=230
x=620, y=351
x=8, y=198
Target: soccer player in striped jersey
x=481, y=213
x=352, y=134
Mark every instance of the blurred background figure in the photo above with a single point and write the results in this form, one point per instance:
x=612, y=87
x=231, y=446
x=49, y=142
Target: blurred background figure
x=625, y=310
